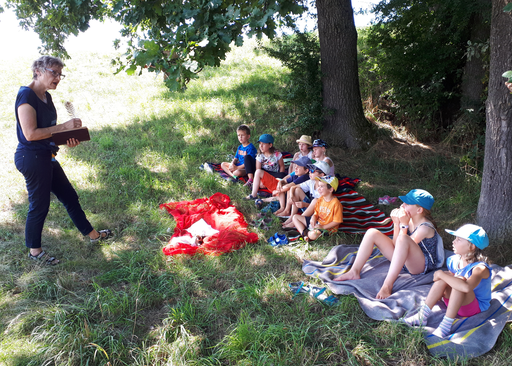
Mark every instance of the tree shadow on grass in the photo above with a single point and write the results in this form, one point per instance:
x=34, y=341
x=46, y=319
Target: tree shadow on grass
x=132, y=169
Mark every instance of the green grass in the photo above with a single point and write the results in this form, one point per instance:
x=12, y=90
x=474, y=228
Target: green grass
x=126, y=303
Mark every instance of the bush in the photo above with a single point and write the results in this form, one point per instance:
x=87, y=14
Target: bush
x=300, y=53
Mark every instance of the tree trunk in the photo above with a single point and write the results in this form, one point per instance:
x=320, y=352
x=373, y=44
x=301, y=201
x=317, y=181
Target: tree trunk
x=345, y=124
x=494, y=212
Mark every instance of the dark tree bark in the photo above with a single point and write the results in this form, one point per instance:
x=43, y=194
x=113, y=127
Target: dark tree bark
x=345, y=124
x=494, y=212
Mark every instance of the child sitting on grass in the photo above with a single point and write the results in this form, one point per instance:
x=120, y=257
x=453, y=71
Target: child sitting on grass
x=301, y=195
x=414, y=246
x=305, y=146
x=269, y=165
x=319, y=154
x=245, y=151
x=466, y=287
x=328, y=214
x=283, y=186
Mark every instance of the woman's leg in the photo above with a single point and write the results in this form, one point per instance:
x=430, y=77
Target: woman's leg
x=407, y=253
x=371, y=238
x=66, y=194
x=37, y=170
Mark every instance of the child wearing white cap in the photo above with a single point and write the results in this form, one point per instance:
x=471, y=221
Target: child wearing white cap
x=466, y=287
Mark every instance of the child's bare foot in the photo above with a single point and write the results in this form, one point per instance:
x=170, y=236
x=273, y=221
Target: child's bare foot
x=278, y=212
x=384, y=292
x=282, y=214
x=350, y=275
x=288, y=224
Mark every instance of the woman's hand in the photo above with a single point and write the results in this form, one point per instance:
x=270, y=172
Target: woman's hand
x=72, y=142
x=73, y=123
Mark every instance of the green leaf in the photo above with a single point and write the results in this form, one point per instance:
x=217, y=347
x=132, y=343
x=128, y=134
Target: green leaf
x=131, y=70
x=508, y=74
x=508, y=7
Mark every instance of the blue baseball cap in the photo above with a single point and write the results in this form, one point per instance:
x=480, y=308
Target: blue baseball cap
x=319, y=143
x=266, y=138
x=475, y=234
x=303, y=161
x=418, y=197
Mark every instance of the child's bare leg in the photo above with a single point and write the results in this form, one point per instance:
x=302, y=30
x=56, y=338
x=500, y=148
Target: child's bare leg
x=458, y=299
x=314, y=234
x=437, y=291
x=406, y=252
x=371, y=238
x=296, y=195
x=310, y=210
x=225, y=167
x=299, y=222
x=282, y=203
x=256, y=184
x=293, y=211
x=287, y=206
x=240, y=172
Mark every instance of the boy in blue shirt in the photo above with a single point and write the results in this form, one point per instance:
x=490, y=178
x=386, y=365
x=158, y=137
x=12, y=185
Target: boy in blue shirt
x=246, y=150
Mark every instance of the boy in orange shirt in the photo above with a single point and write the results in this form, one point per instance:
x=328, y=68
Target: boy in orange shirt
x=328, y=213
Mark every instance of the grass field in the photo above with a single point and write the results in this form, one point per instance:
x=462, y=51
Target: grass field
x=126, y=303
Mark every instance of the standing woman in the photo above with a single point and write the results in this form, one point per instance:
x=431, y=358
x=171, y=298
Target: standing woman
x=36, y=120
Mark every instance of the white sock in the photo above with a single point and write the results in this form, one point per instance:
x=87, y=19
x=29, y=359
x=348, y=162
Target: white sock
x=445, y=328
x=420, y=318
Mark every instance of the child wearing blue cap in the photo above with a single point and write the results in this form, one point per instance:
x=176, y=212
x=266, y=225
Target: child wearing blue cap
x=269, y=162
x=416, y=246
x=466, y=287
x=319, y=154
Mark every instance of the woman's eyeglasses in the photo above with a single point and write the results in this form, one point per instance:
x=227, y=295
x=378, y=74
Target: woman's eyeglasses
x=55, y=74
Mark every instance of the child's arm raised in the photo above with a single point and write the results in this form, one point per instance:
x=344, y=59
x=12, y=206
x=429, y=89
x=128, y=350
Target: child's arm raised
x=463, y=285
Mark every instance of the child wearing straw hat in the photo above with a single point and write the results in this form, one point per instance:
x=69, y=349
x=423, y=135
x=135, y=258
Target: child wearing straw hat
x=305, y=146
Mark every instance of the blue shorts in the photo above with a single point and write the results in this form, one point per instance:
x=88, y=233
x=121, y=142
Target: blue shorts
x=306, y=199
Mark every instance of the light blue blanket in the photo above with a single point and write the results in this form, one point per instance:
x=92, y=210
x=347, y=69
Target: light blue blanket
x=472, y=336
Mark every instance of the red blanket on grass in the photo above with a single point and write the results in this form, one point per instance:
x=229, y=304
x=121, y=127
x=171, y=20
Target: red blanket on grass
x=218, y=212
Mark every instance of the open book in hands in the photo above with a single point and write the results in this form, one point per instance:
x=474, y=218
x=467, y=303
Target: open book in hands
x=61, y=137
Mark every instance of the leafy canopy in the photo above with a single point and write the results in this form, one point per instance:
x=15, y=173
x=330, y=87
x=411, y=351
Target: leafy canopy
x=178, y=38
x=419, y=48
